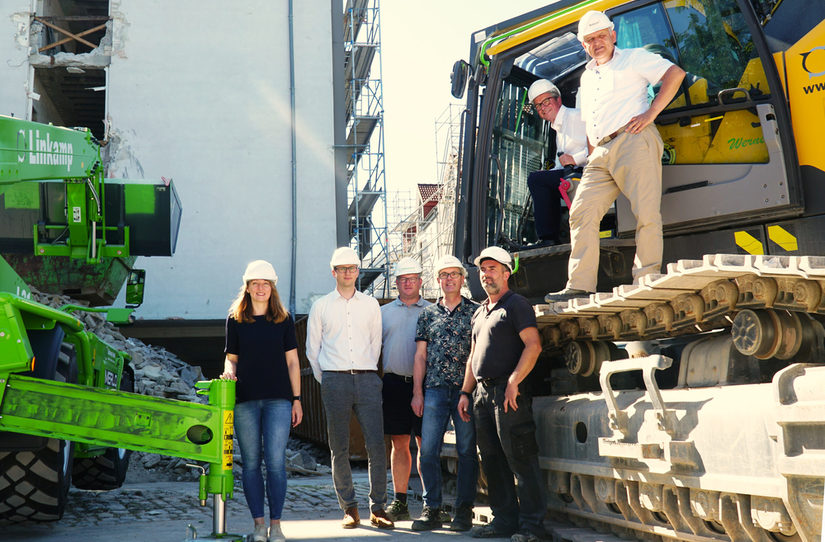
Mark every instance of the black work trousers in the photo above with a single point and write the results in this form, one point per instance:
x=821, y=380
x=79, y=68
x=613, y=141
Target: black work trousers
x=544, y=189
x=507, y=443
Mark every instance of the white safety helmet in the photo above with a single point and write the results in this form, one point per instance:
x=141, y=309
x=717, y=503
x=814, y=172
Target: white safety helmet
x=496, y=253
x=344, y=256
x=593, y=21
x=541, y=86
x=407, y=266
x=446, y=262
x=260, y=270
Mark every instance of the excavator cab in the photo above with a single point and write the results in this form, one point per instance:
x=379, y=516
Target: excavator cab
x=730, y=176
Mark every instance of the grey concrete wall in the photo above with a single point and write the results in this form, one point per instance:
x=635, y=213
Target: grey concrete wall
x=198, y=91
x=14, y=50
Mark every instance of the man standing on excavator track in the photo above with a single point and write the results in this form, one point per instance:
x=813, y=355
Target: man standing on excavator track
x=625, y=151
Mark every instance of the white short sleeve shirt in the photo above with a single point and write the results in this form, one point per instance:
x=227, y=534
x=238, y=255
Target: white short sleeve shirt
x=615, y=92
x=570, y=135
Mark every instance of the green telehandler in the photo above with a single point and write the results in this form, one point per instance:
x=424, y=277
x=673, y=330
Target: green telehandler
x=67, y=408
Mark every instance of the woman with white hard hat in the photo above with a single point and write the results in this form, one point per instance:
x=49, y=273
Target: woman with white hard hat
x=262, y=356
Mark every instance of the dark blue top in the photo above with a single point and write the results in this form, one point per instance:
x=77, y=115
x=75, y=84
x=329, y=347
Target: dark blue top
x=498, y=346
x=261, y=346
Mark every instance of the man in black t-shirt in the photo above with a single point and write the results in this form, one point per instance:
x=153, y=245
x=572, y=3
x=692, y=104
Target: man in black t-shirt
x=505, y=347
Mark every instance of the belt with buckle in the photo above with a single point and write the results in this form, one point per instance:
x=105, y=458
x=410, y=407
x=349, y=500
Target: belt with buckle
x=607, y=139
x=355, y=371
x=407, y=379
x=492, y=381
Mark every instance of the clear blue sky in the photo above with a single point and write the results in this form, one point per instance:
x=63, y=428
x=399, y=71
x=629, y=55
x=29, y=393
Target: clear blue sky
x=420, y=42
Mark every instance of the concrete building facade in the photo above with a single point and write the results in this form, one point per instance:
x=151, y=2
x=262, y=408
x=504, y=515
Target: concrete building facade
x=201, y=92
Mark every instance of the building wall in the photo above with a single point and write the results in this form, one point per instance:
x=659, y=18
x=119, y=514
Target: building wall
x=14, y=48
x=198, y=91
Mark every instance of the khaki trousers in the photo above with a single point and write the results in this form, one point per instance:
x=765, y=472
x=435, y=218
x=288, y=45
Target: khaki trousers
x=630, y=164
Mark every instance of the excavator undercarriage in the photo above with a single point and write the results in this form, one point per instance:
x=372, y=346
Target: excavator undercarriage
x=689, y=406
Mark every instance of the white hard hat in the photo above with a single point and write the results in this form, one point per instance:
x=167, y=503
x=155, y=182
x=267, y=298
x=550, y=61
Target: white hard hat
x=407, y=266
x=541, y=86
x=447, y=261
x=496, y=253
x=261, y=270
x=344, y=256
x=593, y=21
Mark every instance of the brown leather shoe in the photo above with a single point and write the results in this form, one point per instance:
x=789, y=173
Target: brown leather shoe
x=351, y=519
x=379, y=519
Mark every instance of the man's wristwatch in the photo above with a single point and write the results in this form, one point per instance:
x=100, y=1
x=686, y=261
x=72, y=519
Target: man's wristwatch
x=296, y=398
x=467, y=393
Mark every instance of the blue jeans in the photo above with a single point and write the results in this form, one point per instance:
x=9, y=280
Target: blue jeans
x=440, y=404
x=270, y=420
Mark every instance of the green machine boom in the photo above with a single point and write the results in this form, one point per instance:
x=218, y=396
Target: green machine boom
x=67, y=411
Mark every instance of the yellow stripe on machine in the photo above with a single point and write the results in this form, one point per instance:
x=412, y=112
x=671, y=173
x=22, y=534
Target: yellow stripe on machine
x=748, y=243
x=567, y=16
x=783, y=238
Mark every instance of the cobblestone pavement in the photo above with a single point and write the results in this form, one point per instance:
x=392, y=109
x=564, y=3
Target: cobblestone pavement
x=164, y=511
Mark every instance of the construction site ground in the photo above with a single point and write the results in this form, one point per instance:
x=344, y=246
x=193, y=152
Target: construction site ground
x=164, y=511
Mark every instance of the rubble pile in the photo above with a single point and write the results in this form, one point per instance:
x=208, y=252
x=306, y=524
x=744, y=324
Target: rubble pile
x=160, y=373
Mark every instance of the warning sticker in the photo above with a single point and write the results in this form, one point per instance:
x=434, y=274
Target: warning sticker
x=228, y=433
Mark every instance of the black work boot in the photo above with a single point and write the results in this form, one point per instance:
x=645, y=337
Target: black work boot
x=463, y=519
x=430, y=519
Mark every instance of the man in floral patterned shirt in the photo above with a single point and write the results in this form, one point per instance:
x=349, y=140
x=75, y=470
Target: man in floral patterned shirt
x=442, y=347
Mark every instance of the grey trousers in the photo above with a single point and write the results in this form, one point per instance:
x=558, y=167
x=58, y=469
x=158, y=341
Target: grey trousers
x=342, y=394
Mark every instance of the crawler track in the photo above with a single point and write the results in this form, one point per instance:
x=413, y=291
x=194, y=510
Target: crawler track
x=693, y=296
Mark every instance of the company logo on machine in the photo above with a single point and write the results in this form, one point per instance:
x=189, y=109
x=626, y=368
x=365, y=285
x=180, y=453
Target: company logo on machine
x=813, y=62
x=45, y=152
x=739, y=142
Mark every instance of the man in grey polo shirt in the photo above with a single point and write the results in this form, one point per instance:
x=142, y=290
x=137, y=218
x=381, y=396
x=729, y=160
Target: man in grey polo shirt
x=398, y=319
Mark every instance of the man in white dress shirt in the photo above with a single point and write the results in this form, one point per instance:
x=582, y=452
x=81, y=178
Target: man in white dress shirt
x=625, y=151
x=343, y=346
x=571, y=147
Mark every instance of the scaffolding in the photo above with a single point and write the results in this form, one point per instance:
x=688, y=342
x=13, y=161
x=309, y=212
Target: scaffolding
x=366, y=186
x=424, y=219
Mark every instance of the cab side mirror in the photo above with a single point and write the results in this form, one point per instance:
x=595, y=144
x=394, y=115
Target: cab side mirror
x=459, y=78
x=134, y=287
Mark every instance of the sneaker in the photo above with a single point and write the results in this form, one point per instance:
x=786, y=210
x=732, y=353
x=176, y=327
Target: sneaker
x=490, y=530
x=530, y=535
x=444, y=516
x=378, y=518
x=261, y=533
x=351, y=519
x=275, y=533
x=398, y=511
x=524, y=536
x=565, y=295
x=430, y=519
x=463, y=519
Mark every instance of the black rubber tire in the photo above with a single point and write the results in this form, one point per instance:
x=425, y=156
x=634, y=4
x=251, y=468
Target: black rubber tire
x=108, y=470
x=34, y=485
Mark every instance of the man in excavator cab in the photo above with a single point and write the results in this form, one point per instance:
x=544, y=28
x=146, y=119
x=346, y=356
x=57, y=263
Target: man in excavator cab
x=571, y=147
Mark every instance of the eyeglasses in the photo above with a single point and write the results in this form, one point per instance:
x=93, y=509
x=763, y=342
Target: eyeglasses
x=346, y=268
x=450, y=275
x=407, y=280
x=545, y=102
